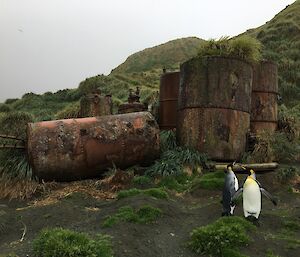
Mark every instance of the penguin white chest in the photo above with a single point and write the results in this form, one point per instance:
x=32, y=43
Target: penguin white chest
x=251, y=198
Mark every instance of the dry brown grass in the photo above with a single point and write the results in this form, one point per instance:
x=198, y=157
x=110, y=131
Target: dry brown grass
x=21, y=189
x=41, y=194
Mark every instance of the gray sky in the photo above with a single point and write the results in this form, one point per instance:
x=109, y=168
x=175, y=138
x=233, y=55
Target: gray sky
x=47, y=45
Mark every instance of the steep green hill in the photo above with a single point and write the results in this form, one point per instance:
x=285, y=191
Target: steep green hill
x=168, y=55
x=281, y=39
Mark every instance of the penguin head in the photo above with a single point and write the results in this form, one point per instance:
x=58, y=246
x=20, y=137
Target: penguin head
x=230, y=167
x=251, y=172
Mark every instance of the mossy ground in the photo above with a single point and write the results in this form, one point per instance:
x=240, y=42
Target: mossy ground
x=143, y=215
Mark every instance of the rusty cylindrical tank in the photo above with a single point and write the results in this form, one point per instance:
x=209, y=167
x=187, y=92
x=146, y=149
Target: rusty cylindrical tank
x=83, y=148
x=168, y=96
x=214, y=106
x=95, y=104
x=264, y=97
x=131, y=107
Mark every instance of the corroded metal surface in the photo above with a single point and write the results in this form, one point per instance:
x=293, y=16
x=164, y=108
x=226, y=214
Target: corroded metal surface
x=131, y=107
x=95, y=105
x=168, y=97
x=83, y=148
x=214, y=106
x=133, y=104
x=221, y=133
x=264, y=97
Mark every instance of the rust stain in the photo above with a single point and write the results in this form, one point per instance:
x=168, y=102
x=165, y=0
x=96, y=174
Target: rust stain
x=83, y=148
x=214, y=106
x=168, y=96
x=264, y=97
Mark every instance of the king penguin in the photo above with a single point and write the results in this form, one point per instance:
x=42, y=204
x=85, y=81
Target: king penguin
x=252, y=194
x=231, y=185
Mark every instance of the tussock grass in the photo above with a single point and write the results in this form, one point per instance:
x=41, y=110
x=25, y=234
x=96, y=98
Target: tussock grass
x=243, y=47
x=211, y=180
x=142, y=215
x=59, y=242
x=222, y=237
x=19, y=188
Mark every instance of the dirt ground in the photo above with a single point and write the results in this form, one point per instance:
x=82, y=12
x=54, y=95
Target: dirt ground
x=166, y=237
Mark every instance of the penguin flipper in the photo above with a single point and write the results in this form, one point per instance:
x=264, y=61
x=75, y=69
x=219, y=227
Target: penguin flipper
x=268, y=195
x=236, y=195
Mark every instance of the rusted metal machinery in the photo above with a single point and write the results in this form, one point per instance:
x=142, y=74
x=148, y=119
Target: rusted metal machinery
x=82, y=148
x=264, y=97
x=169, y=86
x=133, y=104
x=214, y=106
x=95, y=104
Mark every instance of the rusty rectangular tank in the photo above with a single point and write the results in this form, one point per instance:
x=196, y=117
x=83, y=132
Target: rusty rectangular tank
x=168, y=97
x=264, y=97
x=95, y=104
x=214, y=106
x=65, y=150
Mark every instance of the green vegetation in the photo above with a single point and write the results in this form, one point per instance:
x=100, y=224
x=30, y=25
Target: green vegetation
x=274, y=147
x=13, y=161
x=154, y=192
x=142, y=181
x=212, y=180
x=289, y=230
x=5, y=108
x=287, y=173
x=167, y=140
x=60, y=242
x=178, y=183
x=243, y=47
x=143, y=215
x=221, y=238
x=270, y=253
x=281, y=40
x=168, y=55
x=172, y=162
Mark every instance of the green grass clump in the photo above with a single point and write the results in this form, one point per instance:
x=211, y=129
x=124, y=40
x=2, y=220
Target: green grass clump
x=14, y=162
x=225, y=235
x=172, y=161
x=143, y=215
x=178, y=183
x=59, y=242
x=142, y=181
x=128, y=193
x=243, y=47
x=154, y=192
x=167, y=140
x=212, y=180
x=288, y=173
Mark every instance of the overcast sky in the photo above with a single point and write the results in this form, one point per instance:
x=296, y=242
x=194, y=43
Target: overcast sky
x=47, y=45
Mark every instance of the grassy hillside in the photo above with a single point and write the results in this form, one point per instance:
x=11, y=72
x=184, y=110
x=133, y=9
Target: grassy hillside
x=168, y=55
x=281, y=40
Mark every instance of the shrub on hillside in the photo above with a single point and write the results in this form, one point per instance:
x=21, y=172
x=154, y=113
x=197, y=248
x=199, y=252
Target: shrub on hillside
x=5, y=108
x=70, y=111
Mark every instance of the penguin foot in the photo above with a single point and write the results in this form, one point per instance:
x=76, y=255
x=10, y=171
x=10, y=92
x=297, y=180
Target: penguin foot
x=253, y=220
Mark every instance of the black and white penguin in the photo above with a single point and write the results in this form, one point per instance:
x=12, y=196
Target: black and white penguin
x=252, y=191
x=231, y=185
